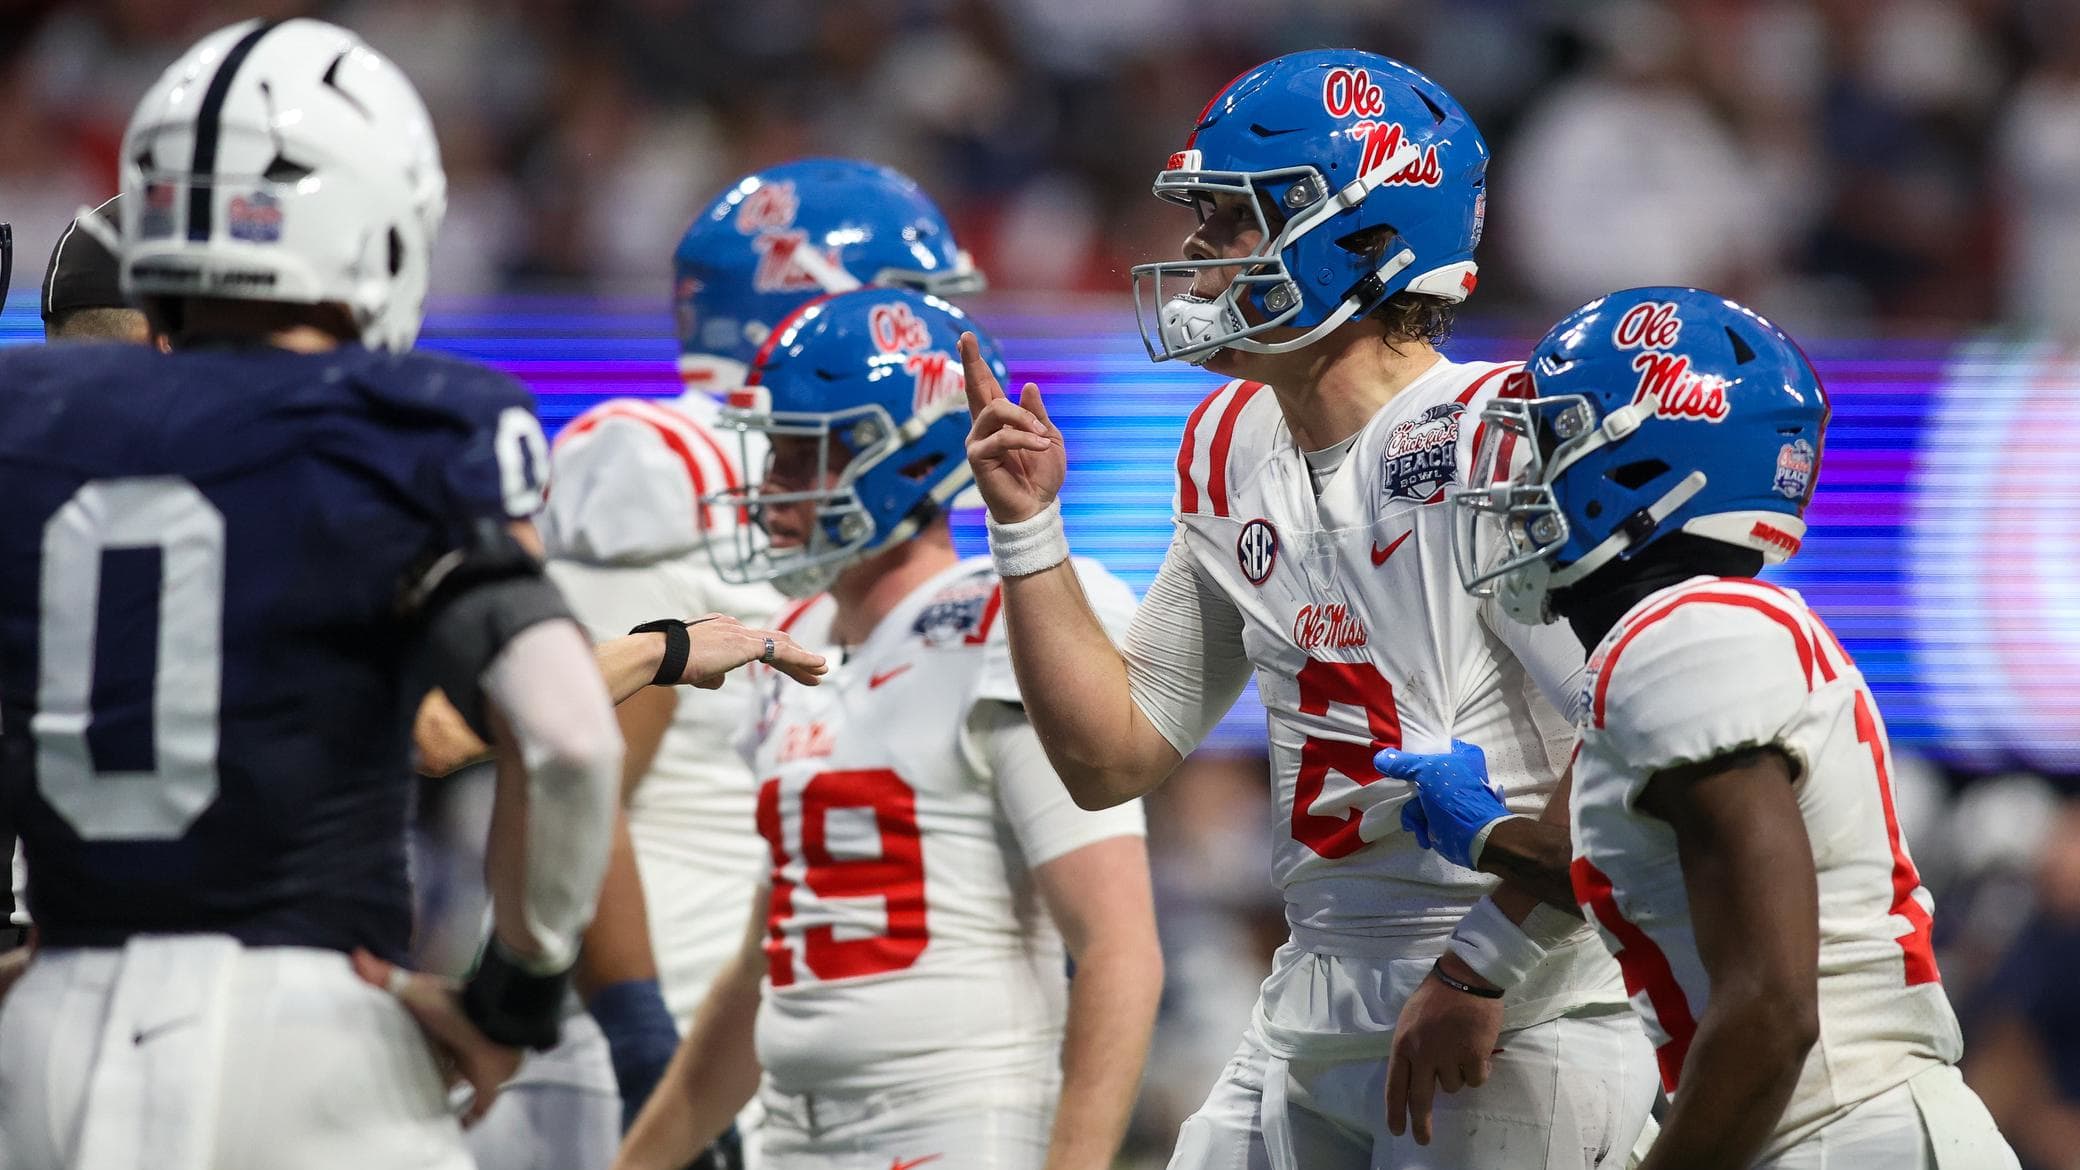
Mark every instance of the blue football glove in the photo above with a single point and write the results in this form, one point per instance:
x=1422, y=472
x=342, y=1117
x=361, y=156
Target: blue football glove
x=640, y=1036
x=1454, y=799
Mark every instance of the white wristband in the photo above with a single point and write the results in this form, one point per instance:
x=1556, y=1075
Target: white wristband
x=1480, y=839
x=1499, y=950
x=1030, y=545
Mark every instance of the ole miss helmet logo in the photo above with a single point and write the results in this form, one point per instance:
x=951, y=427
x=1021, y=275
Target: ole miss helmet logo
x=939, y=383
x=1654, y=328
x=771, y=207
x=1351, y=93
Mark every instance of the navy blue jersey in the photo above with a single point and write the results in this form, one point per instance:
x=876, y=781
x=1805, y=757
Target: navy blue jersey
x=208, y=663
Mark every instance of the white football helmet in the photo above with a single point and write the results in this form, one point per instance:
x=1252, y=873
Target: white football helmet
x=285, y=161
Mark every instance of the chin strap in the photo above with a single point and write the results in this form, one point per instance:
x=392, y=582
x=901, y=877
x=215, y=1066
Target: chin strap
x=1637, y=527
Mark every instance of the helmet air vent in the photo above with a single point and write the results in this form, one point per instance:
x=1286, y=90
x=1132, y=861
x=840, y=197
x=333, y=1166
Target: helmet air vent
x=1634, y=476
x=1743, y=353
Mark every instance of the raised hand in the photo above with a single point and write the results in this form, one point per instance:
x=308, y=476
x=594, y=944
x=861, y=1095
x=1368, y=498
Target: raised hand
x=1014, y=449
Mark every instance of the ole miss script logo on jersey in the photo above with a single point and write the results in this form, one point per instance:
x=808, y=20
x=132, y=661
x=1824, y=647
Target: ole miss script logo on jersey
x=1256, y=550
x=898, y=333
x=1351, y=93
x=1664, y=375
x=1422, y=455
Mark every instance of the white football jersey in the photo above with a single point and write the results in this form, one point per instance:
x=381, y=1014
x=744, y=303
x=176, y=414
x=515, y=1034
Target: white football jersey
x=627, y=540
x=1362, y=638
x=907, y=944
x=1712, y=666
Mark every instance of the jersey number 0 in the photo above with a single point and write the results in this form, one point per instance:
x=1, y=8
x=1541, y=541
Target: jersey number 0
x=160, y=518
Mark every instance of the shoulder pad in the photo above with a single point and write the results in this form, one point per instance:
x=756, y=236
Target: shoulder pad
x=626, y=481
x=465, y=392
x=1207, y=455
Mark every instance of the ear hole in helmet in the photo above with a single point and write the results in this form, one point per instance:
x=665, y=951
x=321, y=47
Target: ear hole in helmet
x=922, y=469
x=396, y=252
x=281, y=170
x=1743, y=353
x=1634, y=476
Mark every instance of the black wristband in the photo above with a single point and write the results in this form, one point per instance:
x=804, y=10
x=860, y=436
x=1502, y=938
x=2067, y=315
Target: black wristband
x=677, y=648
x=1438, y=970
x=513, y=1006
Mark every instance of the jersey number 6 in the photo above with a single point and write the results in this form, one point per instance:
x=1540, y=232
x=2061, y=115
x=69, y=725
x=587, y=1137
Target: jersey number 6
x=1355, y=684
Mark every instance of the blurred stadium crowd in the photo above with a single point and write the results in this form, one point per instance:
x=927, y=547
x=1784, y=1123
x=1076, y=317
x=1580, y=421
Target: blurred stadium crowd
x=1898, y=162
x=1858, y=165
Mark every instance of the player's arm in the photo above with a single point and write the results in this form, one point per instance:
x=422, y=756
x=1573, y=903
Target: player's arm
x=1754, y=901
x=1091, y=869
x=1090, y=703
x=715, y=1071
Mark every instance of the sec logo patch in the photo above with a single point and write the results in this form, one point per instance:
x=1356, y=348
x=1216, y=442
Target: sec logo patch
x=1256, y=550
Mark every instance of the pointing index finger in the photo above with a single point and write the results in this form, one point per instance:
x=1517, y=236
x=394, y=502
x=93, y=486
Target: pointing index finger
x=980, y=380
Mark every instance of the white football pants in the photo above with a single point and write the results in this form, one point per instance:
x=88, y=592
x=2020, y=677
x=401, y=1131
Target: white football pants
x=1933, y=1122
x=989, y=1124
x=1566, y=1094
x=191, y=1052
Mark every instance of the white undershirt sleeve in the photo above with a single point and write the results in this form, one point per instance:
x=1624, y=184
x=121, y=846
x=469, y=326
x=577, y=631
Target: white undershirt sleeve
x=1185, y=660
x=548, y=687
x=1039, y=810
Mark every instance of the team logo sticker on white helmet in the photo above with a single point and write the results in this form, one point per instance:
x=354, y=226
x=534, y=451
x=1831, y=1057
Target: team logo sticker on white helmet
x=1256, y=550
x=1422, y=455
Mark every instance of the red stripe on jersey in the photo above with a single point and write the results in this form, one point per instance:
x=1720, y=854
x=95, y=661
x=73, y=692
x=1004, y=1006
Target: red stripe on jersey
x=1745, y=600
x=698, y=430
x=1644, y=966
x=1509, y=444
x=1466, y=395
x=1917, y=945
x=673, y=441
x=1827, y=670
x=988, y=619
x=1223, y=439
x=794, y=612
x=1188, y=489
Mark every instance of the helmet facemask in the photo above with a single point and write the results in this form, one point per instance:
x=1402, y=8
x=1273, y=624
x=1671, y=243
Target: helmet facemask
x=1192, y=328
x=843, y=532
x=1507, y=530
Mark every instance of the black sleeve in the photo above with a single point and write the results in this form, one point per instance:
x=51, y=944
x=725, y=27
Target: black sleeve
x=472, y=602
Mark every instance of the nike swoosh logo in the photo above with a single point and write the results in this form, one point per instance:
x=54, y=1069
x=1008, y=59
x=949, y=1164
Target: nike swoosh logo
x=874, y=681
x=1380, y=555
x=900, y=1164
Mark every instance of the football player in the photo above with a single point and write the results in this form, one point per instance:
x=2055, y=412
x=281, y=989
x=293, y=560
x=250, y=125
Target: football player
x=1734, y=838
x=231, y=571
x=899, y=997
x=1339, y=197
x=626, y=530
x=82, y=285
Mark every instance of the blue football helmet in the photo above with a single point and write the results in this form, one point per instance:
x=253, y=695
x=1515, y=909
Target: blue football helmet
x=1325, y=145
x=1642, y=413
x=874, y=378
x=802, y=229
